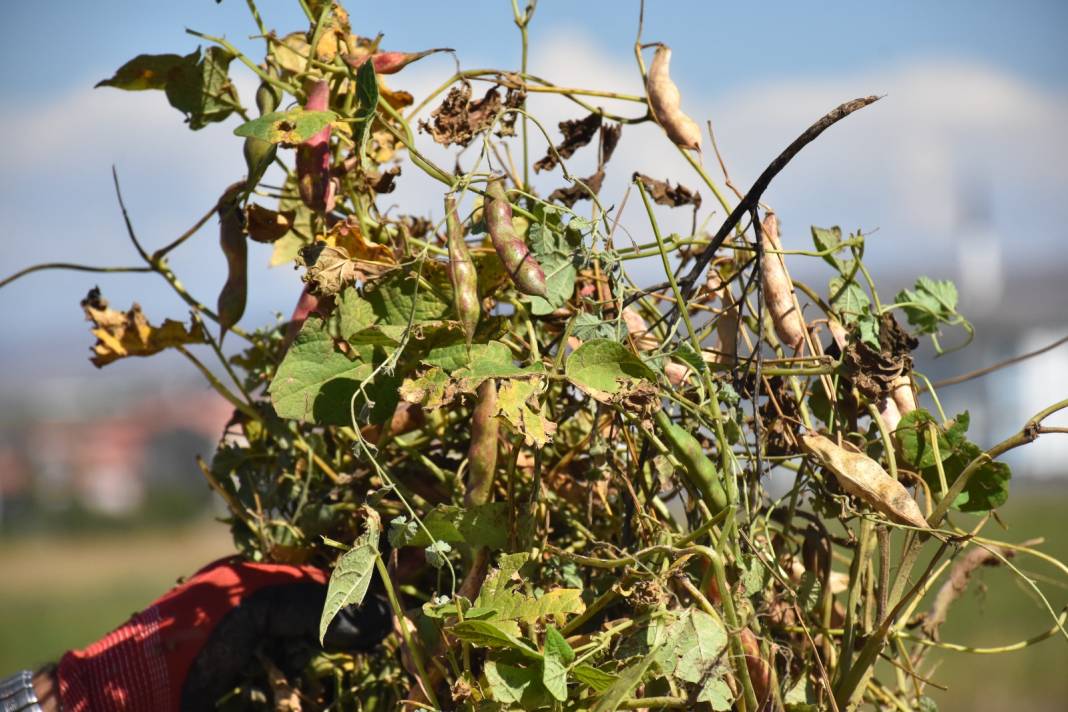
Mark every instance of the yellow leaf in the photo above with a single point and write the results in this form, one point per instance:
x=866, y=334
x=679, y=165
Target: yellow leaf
x=121, y=334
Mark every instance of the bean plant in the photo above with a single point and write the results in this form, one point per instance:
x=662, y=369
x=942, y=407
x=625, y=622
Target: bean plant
x=558, y=475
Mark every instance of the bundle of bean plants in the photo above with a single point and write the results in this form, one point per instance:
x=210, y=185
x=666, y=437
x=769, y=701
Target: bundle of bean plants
x=561, y=478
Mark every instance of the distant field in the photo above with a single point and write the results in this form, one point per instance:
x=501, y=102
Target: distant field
x=59, y=593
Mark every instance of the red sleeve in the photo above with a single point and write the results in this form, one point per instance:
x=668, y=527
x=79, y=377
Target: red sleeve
x=140, y=666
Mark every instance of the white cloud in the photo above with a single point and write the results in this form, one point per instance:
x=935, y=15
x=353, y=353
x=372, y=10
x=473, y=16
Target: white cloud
x=899, y=165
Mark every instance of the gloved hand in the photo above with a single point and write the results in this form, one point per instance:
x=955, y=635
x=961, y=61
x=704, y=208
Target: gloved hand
x=190, y=646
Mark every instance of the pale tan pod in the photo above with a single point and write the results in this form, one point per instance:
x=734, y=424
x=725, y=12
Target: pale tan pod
x=778, y=289
x=904, y=396
x=727, y=326
x=864, y=478
x=665, y=102
x=838, y=333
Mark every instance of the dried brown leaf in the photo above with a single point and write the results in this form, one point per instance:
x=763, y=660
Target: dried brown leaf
x=265, y=225
x=121, y=334
x=663, y=193
x=458, y=119
x=577, y=133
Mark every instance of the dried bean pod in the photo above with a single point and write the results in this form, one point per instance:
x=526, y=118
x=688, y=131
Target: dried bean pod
x=864, y=478
x=313, y=156
x=699, y=469
x=482, y=454
x=778, y=289
x=232, y=298
x=526, y=273
x=461, y=272
x=665, y=101
x=904, y=396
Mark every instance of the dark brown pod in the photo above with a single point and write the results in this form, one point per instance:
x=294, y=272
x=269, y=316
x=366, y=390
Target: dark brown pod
x=234, y=294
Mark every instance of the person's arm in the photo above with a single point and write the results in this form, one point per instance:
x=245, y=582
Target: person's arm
x=195, y=642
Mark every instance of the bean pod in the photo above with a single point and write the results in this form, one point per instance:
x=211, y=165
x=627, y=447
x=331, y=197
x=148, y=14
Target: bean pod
x=391, y=62
x=698, y=468
x=461, y=272
x=260, y=153
x=778, y=289
x=313, y=156
x=665, y=102
x=526, y=273
x=482, y=454
x=232, y=298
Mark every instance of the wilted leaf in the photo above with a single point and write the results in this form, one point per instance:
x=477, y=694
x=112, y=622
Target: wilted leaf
x=145, y=71
x=663, y=193
x=266, y=225
x=352, y=573
x=332, y=266
x=518, y=404
x=458, y=119
x=120, y=334
x=287, y=127
x=577, y=133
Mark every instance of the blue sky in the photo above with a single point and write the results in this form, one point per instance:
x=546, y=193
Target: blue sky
x=976, y=96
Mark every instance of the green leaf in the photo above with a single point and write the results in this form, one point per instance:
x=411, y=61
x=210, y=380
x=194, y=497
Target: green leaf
x=607, y=370
x=454, y=356
x=315, y=381
x=929, y=304
x=202, y=89
x=988, y=487
x=717, y=693
x=437, y=553
x=351, y=575
x=914, y=439
x=558, y=655
x=482, y=525
x=396, y=295
x=490, y=634
x=825, y=239
x=560, y=274
x=367, y=95
x=509, y=683
x=850, y=299
x=287, y=127
x=587, y=327
x=598, y=680
x=556, y=255
x=287, y=247
x=629, y=679
x=198, y=86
